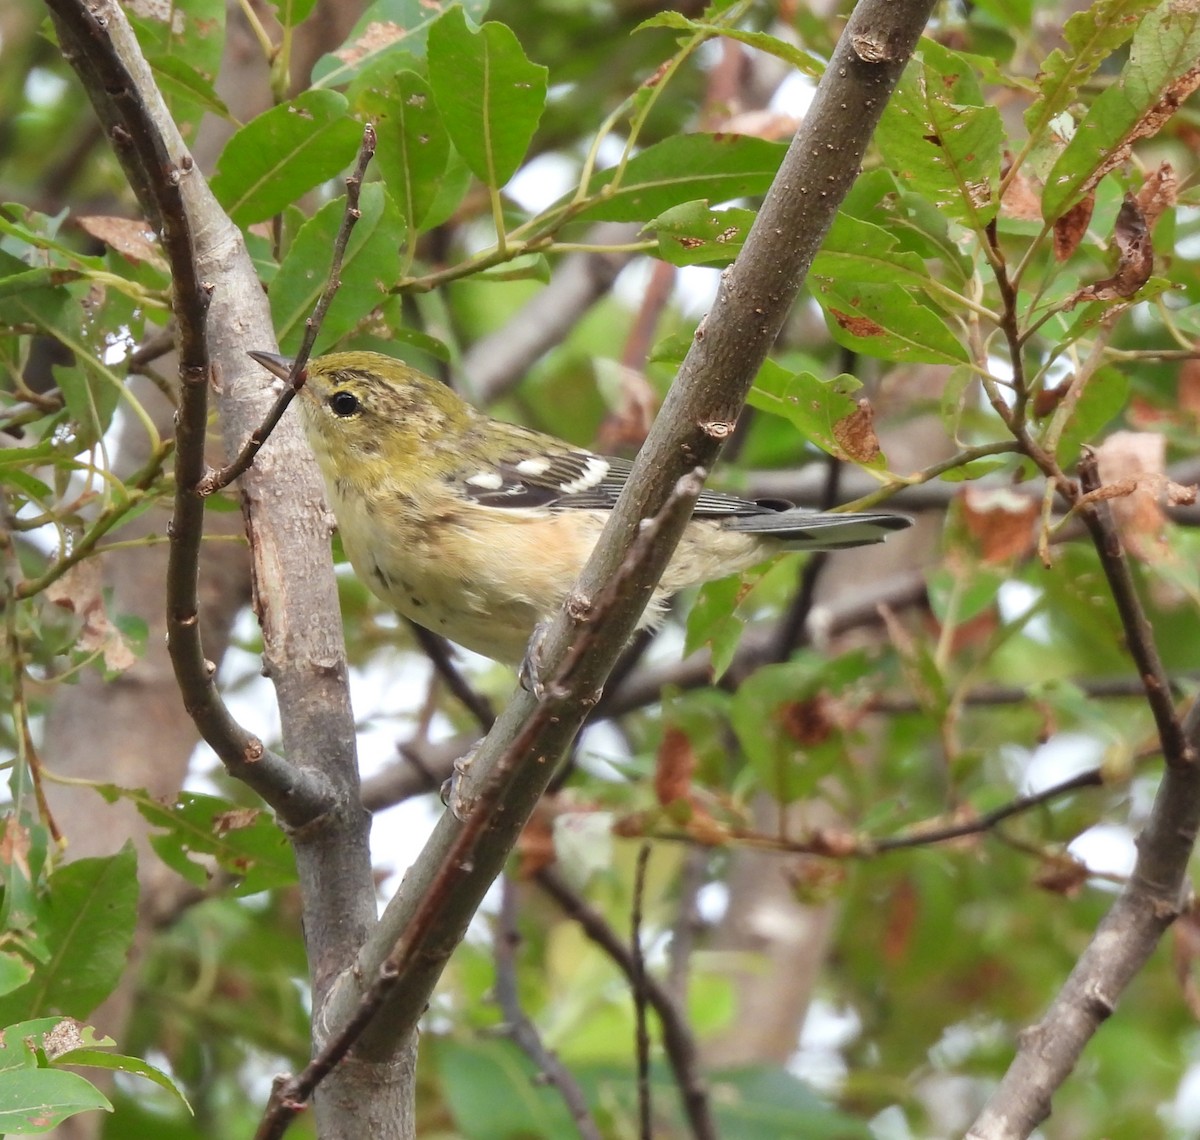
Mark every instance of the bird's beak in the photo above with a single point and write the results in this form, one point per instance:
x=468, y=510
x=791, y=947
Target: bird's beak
x=277, y=365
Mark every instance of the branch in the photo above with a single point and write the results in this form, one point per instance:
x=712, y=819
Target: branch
x=1139, y=635
x=142, y=147
x=317, y=791
x=498, y=361
x=638, y=983
x=521, y=1029
x=216, y=480
x=1150, y=902
x=678, y=1042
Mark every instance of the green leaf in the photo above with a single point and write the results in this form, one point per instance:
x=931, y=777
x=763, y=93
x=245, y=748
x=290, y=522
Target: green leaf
x=91, y=400
x=491, y=1091
x=370, y=267
x=855, y=250
x=803, y=61
x=815, y=407
x=769, y=1101
x=1100, y=402
x=692, y=234
x=1159, y=76
x=387, y=32
x=186, y=29
x=245, y=842
x=713, y=622
x=790, y=750
x=19, y=901
x=87, y=926
x=292, y=12
x=283, y=153
x=189, y=93
x=526, y=267
x=886, y=321
x=36, y=1100
x=1091, y=35
x=684, y=168
x=490, y=95
x=183, y=41
x=941, y=139
x=413, y=145
x=14, y=972
x=118, y=1063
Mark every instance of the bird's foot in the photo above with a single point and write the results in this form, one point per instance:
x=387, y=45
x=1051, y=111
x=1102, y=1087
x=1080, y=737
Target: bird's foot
x=529, y=674
x=454, y=789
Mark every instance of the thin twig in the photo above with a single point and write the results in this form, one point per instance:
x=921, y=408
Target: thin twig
x=1139, y=634
x=678, y=1042
x=437, y=649
x=517, y=1026
x=642, y=1031
x=214, y=481
x=844, y=845
x=793, y=626
x=688, y=923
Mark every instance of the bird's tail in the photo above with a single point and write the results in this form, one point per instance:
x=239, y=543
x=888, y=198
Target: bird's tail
x=802, y=529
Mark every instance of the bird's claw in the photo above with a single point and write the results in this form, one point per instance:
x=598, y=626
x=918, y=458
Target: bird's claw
x=453, y=790
x=529, y=674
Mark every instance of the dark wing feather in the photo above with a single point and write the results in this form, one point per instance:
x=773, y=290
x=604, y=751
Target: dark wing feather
x=539, y=471
x=576, y=480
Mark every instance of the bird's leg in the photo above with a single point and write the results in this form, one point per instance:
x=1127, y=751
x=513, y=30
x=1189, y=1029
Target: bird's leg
x=452, y=792
x=529, y=673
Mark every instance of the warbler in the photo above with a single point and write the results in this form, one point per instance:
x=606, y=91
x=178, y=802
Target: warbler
x=477, y=529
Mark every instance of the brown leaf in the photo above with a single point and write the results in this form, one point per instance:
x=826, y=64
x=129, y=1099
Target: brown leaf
x=1021, y=200
x=1047, y=399
x=763, y=124
x=1185, y=949
x=1188, y=396
x=855, y=434
x=234, y=820
x=903, y=907
x=1000, y=521
x=674, y=767
x=1132, y=464
x=808, y=722
x=1135, y=263
x=702, y=828
x=15, y=846
x=1062, y=875
x=1158, y=193
x=79, y=592
x=535, y=845
x=1071, y=227
x=132, y=238
x=628, y=425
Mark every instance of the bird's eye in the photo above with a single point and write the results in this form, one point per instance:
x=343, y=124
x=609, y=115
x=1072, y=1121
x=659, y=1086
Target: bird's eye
x=343, y=403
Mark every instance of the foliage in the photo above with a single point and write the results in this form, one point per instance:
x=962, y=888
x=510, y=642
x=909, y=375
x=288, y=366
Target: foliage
x=1013, y=278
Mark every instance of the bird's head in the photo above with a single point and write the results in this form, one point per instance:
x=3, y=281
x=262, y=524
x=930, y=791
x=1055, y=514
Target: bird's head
x=364, y=408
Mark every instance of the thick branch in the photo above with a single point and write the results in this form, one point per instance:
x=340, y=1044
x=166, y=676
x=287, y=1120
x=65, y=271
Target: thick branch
x=296, y=595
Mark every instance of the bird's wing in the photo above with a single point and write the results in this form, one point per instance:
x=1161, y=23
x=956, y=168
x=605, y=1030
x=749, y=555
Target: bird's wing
x=545, y=475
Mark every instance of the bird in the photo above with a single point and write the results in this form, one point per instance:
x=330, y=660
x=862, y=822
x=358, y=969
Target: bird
x=476, y=528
